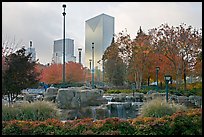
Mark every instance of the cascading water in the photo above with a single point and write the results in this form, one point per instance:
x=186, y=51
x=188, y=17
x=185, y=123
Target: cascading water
x=120, y=110
x=109, y=113
x=93, y=109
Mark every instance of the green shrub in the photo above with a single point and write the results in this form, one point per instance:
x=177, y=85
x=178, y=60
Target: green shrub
x=117, y=91
x=39, y=110
x=159, y=107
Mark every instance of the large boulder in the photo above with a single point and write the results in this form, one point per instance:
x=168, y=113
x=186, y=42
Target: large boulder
x=65, y=96
x=196, y=100
x=75, y=97
x=50, y=94
x=183, y=100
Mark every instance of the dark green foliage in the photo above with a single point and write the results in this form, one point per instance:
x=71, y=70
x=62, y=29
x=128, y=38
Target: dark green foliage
x=114, y=67
x=115, y=71
x=20, y=73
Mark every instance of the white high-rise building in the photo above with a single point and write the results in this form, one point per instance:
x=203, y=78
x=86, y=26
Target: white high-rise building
x=58, y=51
x=32, y=51
x=98, y=30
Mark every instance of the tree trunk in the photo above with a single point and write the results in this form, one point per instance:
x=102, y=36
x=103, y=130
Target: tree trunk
x=140, y=81
x=184, y=77
x=161, y=85
x=148, y=81
x=9, y=99
x=137, y=81
x=176, y=81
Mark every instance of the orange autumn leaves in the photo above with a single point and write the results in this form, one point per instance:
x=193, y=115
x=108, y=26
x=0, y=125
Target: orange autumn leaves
x=53, y=74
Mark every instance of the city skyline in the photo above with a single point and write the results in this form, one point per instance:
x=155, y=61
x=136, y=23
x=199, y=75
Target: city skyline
x=42, y=22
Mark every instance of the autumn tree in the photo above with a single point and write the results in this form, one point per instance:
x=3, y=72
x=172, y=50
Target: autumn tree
x=136, y=54
x=180, y=45
x=197, y=71
x=53, y=73
x=114, y=66
x=74, y=72
x=140, y=64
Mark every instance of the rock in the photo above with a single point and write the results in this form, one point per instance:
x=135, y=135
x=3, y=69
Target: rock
x=151, y=91
x=65, y=96
x=183, y=100
x=51, y=91
x=50, y=94
x=196, y=100
x=74, y=97
x=173, y=98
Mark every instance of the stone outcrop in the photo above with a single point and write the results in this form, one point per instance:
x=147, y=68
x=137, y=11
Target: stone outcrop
x=51, y=94
x=122, y=97
x=124, y=109
x=75, y=97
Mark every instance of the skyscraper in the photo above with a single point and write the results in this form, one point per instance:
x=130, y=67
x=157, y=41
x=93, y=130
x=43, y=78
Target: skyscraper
x=32, y=51
x=69, y=50
x=98, y=30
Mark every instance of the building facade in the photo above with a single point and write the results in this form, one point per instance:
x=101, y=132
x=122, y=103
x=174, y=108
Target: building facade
x=58, y=51
x=32, y=51
x=98, y=30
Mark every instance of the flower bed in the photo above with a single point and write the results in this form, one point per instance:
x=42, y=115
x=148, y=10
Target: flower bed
x=180, y=123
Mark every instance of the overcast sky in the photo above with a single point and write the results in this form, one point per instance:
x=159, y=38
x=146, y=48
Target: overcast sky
x=43, y=22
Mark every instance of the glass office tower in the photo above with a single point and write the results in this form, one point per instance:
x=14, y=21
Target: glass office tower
x=58, y=51
x=98, y=30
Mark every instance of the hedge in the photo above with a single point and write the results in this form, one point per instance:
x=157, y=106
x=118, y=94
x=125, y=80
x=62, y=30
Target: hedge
x=180, y=123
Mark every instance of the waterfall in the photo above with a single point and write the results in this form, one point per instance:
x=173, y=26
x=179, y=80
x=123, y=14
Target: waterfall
x=120, y=110
x=109, y=113
x=93, y=109
x=108, y=98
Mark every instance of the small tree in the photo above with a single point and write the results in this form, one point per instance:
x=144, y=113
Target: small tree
x=19, y=74
x=115, y=68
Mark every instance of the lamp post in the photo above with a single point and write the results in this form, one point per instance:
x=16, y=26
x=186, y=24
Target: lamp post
x=103, y=71
x=99, y=71
x=92, y=65
x=157, y=70
x=56, y=59
x=80, y=49
x=63, y=72
x=167, y=78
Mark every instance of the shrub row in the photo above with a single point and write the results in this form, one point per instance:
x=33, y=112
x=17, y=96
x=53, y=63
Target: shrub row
x=117, y=91
x=197, y=92
x=180, y=123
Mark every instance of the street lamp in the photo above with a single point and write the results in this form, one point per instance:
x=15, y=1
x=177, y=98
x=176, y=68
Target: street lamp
x=63, y=72
x=92, y=65
x=157, y=70
x=80, y=49
x=99, y=71
x=167, y=78
x=103, y=71
x=56, y=59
